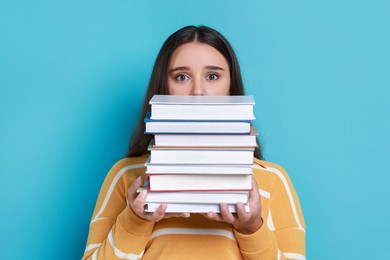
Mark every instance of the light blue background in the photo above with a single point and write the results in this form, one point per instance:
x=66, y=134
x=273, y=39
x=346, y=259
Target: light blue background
x=72, y=76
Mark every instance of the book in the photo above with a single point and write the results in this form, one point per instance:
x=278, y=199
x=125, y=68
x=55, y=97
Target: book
x=206, y=140
x=199, y=182
x=202, y=107
x=200, y=155
x=198, y=168
x=191, y=207
x=206, y=197
x=195, y=127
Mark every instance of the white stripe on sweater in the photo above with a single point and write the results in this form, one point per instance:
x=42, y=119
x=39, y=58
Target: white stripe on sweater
x=265, y=194
x=288, y=190
x=92, y=246
x=94, y=256
x=193, y=231
x=119, y=253
x=295, y=256
x=112, y=186
x=270, y=223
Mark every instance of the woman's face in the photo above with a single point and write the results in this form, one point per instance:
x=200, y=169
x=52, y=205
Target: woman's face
x=198, y=69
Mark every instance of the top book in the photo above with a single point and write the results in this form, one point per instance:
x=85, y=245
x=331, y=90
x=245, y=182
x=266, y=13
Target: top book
x=169, y=107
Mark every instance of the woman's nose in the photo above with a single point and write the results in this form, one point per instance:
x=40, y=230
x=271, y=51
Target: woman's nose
x=197, y=88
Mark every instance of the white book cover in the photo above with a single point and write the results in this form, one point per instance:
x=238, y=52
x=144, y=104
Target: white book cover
x=206, y=140
x=191, y=208
x=201, y=155
x=198, y=168
x=207, y=197
x=199, y=182
x=206, y=112
x=202, y=100
x=175, y=127
x=170, y=107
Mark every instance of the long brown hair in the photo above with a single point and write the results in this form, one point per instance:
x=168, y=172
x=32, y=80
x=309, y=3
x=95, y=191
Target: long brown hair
x=158, y=84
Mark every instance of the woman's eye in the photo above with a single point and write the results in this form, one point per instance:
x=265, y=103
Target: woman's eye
x=212, y=76
x=181, y=77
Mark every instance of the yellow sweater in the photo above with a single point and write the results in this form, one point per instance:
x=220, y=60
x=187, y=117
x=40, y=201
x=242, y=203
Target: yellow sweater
x=117, y=233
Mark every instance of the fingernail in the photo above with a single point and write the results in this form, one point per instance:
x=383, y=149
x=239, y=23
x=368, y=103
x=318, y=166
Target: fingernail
x=143, y=193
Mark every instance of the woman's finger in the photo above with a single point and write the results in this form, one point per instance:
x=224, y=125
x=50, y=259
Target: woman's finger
x=241, y=212
x=254, y=194
x=132, y=191
x=226, y=214
x=138, y=205
x=159, y=213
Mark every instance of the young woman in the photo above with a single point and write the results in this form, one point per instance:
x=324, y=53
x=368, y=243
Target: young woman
x=194, y=61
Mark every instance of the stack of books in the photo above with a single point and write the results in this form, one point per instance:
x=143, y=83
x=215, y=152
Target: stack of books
x=201, y=154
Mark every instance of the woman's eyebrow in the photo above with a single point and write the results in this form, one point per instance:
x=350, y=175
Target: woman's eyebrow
x=179, y=68
x=214, y=68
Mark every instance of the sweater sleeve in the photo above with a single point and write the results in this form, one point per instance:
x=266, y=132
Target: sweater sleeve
x=116, y=232
x=282, y=235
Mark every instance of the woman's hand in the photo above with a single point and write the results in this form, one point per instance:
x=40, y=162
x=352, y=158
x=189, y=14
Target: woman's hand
x=137, y=203
x=242, y=221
